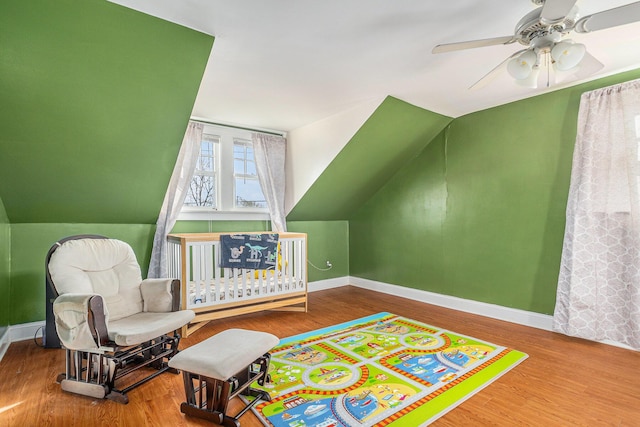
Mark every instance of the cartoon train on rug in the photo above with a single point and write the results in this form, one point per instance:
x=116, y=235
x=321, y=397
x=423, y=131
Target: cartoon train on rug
x=215, y=292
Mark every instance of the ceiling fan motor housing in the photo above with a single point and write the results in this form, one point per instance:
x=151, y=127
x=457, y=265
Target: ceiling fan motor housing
x=530, y=28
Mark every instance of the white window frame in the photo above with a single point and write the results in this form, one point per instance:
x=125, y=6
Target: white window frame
x=226, y=209
x=244, y=143
x=215, y=142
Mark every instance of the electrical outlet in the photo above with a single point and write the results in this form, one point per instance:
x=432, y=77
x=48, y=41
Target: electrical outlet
x=329, y=265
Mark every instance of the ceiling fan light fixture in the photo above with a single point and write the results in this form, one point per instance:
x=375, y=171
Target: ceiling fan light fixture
x=567, y=55
x=521, y=66
x=531, y=81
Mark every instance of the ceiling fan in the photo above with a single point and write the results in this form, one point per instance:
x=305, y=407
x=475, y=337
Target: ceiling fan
x=544, y=31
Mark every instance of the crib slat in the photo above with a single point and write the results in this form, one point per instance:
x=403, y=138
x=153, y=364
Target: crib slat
x=208, y=270
x=217, y=270
x=290, y=265
x=195, y=271
x=301, y=264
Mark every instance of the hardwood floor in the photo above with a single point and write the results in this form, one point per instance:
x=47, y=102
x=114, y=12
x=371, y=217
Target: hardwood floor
x=564, y=382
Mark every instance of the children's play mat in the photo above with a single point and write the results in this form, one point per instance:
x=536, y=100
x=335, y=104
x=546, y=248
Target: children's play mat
x=381, y=370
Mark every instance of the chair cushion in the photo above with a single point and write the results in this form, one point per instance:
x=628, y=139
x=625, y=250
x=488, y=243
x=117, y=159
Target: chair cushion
x=224, y=354
x=142, y=327
x=103, y=266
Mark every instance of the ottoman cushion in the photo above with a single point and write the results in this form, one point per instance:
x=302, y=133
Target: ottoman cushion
x=224, y=354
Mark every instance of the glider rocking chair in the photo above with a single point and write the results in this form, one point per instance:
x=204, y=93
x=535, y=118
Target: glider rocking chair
x=109, y=320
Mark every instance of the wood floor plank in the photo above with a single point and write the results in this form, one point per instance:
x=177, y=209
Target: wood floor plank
x=564, y=382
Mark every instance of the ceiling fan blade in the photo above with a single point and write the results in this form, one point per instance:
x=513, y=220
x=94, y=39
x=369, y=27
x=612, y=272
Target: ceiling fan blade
x=449, y=47
x=588, y=66
x=491, y=75
x=555, y=11
x=609, y=18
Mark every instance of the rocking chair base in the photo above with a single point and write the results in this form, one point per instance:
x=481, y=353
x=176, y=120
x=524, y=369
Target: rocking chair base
x=94, y=374
x=98, y=391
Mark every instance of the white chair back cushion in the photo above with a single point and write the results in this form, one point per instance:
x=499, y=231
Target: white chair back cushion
x=102, y=266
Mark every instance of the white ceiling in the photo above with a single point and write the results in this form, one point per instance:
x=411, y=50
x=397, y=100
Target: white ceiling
x=283, y=64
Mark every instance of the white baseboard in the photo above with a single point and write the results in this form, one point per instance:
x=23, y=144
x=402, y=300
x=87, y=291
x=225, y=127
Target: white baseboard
x=321, y=285
x=4, y=343
x=513, y=315
x=26, y=331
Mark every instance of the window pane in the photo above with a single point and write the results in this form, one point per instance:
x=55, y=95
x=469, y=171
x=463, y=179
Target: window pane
x=249, y=194
x=205, y=164
x=239, y=150
x=206, y=161
x=238, y=166
x=242, y=153
x=206, y=149
x=250, y=167
x=202, y=191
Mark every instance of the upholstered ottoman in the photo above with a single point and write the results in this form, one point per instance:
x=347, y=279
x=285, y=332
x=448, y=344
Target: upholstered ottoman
x=221, y=368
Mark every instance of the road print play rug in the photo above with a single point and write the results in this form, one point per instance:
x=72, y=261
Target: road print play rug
x=381, y=370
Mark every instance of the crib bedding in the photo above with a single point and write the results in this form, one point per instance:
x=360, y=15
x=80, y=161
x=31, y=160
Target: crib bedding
x=233, y=291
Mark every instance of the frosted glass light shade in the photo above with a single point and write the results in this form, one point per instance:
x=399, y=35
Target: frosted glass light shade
x=567, y=54
x=520, y=67
x=531, y=80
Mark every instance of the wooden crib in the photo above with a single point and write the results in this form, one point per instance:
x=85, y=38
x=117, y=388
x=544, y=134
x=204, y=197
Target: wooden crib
x=214, y=292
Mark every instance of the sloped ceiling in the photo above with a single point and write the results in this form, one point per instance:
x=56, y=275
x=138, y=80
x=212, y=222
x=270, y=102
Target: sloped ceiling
x=394, y=134
x=283, y=64
x=95, y=101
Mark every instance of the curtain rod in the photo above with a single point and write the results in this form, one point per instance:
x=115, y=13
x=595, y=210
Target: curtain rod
x=267, y=131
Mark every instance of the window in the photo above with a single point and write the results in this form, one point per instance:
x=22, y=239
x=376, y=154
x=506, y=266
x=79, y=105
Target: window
x=248, y=193
x=203, y=189
x=225, y=180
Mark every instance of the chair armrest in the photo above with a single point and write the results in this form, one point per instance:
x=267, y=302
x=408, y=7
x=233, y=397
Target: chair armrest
x=160, y=295
x=81, y=321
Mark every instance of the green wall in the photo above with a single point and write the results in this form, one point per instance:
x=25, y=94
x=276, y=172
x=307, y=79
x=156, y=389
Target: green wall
x=30, y=244
x=326, y=241
x=5, y=269
x=480, y=213
x=95, y=102
x=391, y=136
